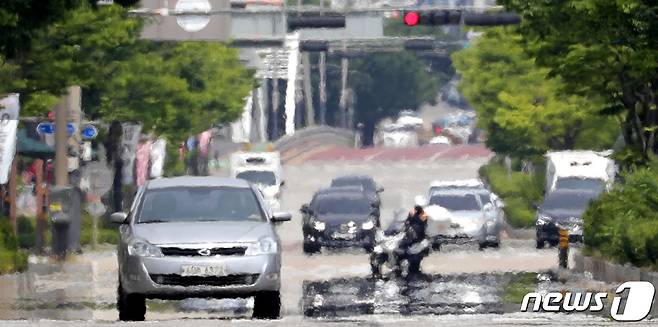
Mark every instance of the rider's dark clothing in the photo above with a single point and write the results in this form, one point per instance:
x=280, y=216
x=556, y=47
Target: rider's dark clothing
x=415, y=228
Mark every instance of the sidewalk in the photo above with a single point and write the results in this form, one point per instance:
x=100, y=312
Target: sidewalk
x=83, y=283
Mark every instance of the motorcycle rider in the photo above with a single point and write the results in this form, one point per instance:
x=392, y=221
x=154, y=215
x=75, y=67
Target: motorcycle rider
x=413, y=232
x=415, y=228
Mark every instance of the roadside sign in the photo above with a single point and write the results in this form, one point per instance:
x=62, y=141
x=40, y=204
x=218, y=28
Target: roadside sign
x=46, y=128
x=49, y=128
x=9, y=109
x=89, y=132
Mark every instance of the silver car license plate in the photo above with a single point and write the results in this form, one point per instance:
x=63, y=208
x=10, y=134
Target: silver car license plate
x=203, y=271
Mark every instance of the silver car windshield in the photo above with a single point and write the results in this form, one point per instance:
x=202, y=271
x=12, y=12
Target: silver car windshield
x=191, y=204
x=455, y=201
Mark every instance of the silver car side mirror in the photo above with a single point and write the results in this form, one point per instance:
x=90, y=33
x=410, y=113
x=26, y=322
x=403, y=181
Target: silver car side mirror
x=119, y=217
x=488, y=207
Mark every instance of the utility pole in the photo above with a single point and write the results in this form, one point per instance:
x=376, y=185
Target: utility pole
x=308, y=92
x=323, y=88
x=323, y=79
x=275, y=105
x=61, y=135
x=344, y=65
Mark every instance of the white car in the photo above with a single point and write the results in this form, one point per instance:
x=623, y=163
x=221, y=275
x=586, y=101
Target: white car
x=579, y=170
x=263, y=169
x=440, y=139
x=409, y=118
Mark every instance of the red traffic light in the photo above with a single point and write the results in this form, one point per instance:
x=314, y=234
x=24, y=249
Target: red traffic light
x=411, y=18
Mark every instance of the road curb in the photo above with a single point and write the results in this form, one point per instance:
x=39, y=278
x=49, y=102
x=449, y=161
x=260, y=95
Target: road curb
x=610, y=272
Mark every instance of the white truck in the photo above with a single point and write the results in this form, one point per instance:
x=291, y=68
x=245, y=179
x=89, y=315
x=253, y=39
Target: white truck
x=579, y=170
x=262, y=169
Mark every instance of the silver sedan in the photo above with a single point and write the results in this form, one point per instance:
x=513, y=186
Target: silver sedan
x=198, y=237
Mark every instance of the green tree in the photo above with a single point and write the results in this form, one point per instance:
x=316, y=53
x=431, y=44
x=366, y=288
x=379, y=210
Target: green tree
x=20, y=19
x=10, y=79
x=177, y=89
x=519, y=105
x=80, y=49
x=385, y=84
x=601, y=48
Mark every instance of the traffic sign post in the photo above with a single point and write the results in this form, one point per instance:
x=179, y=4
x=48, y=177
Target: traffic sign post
x=89, y=132
x=49, y=128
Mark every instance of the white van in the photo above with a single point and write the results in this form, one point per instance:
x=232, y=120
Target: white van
x=262, y=169
x=579, y=170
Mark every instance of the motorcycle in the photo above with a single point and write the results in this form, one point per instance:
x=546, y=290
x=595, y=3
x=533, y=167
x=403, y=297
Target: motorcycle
x=387, y=253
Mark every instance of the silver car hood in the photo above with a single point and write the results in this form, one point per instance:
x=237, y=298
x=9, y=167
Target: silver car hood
x=202, y=232
x=465, y=216
x=442, y=221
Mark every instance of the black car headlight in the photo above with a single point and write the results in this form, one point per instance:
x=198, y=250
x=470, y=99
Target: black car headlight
x=368, y=225
x=318, y=225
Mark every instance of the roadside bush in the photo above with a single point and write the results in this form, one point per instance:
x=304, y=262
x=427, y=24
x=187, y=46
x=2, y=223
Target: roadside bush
x=518, y=190
x=623, y=223
x=107, y=233
x=26, y=228
x=11, y=258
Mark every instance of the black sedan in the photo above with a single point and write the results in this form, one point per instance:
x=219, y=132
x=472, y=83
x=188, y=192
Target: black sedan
x=339, y=220
x=370, y=187
x=562, y=209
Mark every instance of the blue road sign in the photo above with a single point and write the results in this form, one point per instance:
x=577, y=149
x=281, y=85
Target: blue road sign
x=89, y=132
x=46, y=128
x=49, y=128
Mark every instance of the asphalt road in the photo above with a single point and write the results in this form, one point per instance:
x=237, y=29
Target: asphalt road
x=480, y=271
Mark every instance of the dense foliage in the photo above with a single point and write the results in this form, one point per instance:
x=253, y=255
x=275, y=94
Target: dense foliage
x=11, y=258
x=520, y=106
x=177, y=90
x=83, y=48
x=518, y=190
x=623, y=224
x=604, y=49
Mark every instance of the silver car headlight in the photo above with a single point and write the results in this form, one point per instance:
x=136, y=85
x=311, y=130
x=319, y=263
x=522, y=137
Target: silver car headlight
x=265, y=245
x=543, y=220
x=318, y=225
x=368, y=225
x=143, y=248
